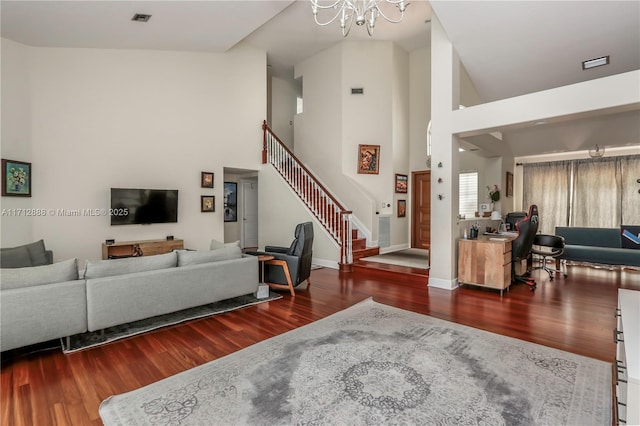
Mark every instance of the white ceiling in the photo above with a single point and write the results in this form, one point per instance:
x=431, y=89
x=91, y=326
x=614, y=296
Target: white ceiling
x=509, y=48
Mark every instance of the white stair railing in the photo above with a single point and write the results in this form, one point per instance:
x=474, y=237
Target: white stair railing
x=330, y=213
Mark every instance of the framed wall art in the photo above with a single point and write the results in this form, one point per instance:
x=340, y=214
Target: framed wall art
x=16, y=178
x=402, y=208
x=206, y=180
x=509, y=192
x=368, y=159
x=230, y=202
x=207, y=203
x=402, y=183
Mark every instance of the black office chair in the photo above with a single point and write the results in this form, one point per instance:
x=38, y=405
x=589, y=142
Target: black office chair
x=291, y=265
x=545, y=245
x=521, y=246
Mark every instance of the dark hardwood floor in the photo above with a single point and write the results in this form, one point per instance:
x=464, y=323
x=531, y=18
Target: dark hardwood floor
x=46, y=387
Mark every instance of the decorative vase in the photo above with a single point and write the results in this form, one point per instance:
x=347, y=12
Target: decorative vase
x=17, y=187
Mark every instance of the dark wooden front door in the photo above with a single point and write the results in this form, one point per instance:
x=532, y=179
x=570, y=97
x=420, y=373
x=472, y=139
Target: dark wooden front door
x=421, y=211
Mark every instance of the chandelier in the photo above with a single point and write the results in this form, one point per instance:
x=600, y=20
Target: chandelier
x=363, y=12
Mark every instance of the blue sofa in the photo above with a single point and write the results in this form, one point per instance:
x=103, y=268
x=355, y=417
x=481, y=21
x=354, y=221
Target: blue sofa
x=597, y=245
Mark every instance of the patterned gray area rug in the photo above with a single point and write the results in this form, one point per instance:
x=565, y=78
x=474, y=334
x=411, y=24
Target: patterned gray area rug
x=373, y=364
x=95, y=338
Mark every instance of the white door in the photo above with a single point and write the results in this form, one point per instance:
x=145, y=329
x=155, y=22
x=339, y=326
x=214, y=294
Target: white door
x=249, y=213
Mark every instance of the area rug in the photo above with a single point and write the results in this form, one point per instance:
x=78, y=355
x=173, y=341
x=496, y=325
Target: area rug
x=373, y=364
x=413, y=257
x=96, y=338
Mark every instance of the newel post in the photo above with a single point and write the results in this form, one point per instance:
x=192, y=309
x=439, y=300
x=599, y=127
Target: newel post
x=264, y=141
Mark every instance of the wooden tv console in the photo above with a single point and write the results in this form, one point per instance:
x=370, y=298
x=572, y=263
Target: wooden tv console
x=149, y=247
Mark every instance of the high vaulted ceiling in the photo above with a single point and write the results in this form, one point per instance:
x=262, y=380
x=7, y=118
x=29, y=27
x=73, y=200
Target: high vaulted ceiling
x=509, y=48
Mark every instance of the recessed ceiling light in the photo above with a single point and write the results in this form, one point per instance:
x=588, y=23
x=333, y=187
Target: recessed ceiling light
x=597, y=62
x=141, y=17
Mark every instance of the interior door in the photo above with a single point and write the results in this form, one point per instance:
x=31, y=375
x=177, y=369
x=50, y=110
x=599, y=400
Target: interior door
x=249, y=214
x=421, y=210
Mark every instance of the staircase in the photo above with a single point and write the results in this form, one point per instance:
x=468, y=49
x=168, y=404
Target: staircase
x=360, y=248
x=329, y=212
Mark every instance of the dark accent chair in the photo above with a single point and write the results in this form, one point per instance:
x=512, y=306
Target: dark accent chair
x=521, y=246
x=552, y=246
x=291, y=265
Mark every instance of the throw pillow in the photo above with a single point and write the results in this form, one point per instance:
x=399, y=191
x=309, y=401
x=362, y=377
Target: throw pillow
x=38, y=254
x=15, y=257
x=37, y=275
x=630, y=236
x=215, y=244
x=197, y=257
x=111, y=267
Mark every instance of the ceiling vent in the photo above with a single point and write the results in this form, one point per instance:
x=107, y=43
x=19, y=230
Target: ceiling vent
x=141, y=17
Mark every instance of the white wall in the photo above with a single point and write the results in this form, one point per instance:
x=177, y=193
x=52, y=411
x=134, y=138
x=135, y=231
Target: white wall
x=15, y=138
x=380, y=116
x=400, y=112
x=283, y=109
x=143, y=119
x=281, y=210
x=420, y=107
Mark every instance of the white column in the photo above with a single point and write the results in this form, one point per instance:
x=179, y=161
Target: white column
x=444, y=160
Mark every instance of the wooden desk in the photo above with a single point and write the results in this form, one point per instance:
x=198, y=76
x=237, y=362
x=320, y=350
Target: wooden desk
x=485, y=262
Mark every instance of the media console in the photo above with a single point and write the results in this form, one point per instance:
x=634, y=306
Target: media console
x=121, y=249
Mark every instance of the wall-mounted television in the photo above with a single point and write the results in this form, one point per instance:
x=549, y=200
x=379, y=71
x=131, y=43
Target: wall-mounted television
x=131, y=206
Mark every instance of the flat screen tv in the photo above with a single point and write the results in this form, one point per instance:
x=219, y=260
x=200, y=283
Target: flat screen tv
x=131, y=206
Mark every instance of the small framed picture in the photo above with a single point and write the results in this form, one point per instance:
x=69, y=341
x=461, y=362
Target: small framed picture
x=16, y=178
x=368, y=159
x=402, y=208
x=207, y=203
x=402, y=183
x=509, y=184
x=206, y=179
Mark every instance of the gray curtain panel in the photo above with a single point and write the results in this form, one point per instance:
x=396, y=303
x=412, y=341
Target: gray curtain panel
x=597, y=193
x=547, y=186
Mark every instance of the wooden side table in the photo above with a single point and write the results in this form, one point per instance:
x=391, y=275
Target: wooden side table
x=262, y=258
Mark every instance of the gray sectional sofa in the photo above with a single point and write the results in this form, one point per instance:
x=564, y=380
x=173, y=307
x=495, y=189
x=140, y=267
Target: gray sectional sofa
x=596, y=245
x=41, y=303
x=47, y=302
x=157, y=285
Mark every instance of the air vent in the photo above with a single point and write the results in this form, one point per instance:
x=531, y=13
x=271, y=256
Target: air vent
x=141, y=17
x=597, y=62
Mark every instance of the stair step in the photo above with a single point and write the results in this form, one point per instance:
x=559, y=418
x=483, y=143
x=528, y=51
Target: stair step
x=366, y=252
x=359, y=243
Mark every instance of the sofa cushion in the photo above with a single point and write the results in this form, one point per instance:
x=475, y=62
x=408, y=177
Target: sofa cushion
x=33, y=254
x=593, y=237
x=111, y=267
x=15, y=257
x=215, y=244
x=37, y=275
x=38, y=253
x=196, y=257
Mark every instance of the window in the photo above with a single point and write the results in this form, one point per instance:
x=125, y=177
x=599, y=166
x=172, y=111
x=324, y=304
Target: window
x=299, y=105
x=468, y=203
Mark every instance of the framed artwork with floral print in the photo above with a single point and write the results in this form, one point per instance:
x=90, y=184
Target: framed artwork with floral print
x=206, y=180
x=16, y=178
x=207, y=203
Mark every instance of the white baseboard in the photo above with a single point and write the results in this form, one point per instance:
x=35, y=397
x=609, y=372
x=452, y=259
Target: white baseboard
x=444, y=284
x=325, y=263
x=397, y=247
